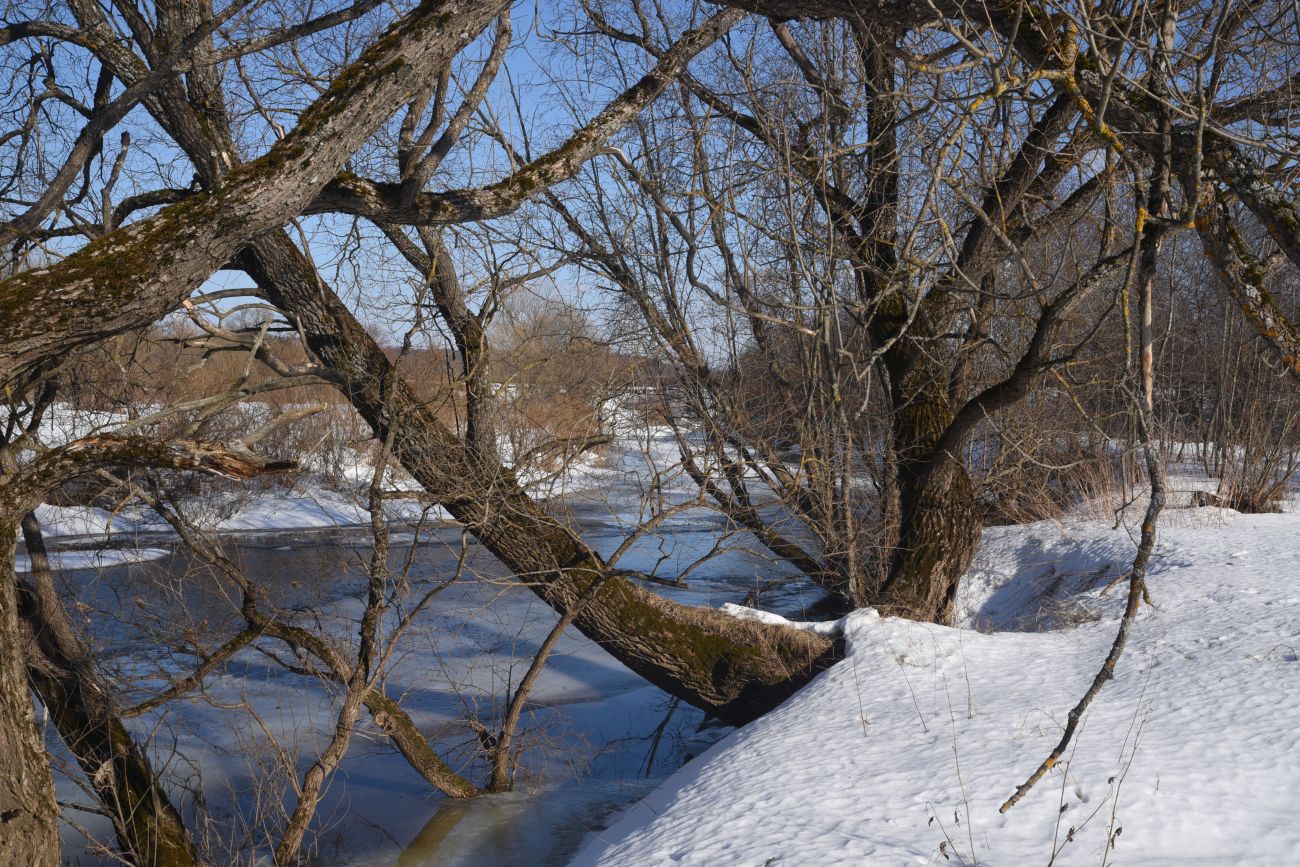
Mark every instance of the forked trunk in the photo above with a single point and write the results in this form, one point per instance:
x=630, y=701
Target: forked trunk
x=928, y=494
x=939, y=523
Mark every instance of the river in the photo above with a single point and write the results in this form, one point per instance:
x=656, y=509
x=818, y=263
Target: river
x=597, y=737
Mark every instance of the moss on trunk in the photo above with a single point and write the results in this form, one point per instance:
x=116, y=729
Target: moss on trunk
x=733, y=669
x=939, y=523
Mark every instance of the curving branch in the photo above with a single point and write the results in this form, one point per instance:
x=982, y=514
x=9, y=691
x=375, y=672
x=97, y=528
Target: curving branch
x=391, y=202
x=136, y=274
x=26, y=486
x=1276, y=212
x=1036, y=361
x=1244, y=279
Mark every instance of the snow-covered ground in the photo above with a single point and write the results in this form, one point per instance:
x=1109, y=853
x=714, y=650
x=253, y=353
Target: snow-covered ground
x=309, y=503
x=94, y=559
x=309, y=506
x=307, y=500
x=903, y=752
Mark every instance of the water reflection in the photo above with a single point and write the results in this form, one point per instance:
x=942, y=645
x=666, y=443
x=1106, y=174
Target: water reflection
x=534, y=828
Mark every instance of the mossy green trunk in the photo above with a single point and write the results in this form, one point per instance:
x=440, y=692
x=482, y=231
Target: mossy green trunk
x=734, y=669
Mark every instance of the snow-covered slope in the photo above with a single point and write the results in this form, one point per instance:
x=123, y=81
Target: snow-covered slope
x=902, y=753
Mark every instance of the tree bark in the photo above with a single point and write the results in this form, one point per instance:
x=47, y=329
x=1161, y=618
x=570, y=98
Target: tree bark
x=29, y=831
x=939, y=521
x=137, y=274
x=939, y=525
x=435, y=263
x=736, y=670
x=149, y=829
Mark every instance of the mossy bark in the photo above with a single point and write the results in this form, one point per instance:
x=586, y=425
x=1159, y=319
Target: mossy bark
x=734, y=669
x=137, y=274
x=939, y=521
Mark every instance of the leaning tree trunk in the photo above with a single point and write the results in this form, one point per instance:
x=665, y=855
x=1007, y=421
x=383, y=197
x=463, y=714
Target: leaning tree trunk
x=736, y=670
x=28, y=814
x=149, y=829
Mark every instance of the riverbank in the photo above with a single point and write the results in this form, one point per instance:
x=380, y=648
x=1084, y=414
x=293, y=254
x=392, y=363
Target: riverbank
x=903, y=752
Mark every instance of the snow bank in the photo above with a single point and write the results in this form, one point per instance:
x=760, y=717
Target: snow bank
x=100, y=559
x=903, y=752
x=314, y=507
x=311, y=503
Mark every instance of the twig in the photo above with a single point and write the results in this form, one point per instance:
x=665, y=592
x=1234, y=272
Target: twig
x=1146, y=546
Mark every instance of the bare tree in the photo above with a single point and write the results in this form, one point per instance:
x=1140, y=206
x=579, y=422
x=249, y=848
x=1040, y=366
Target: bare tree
x=908, y=280
x=899, y=215
x=241, y=205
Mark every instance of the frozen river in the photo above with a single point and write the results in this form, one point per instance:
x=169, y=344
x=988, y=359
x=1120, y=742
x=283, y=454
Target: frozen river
x=597, y=737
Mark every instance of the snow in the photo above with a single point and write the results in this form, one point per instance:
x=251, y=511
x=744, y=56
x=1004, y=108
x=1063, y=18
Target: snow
x=900, y=754
x=94, y=559
x=314, y=506
x=903, y=752
x=829, y=627
x=311, y=501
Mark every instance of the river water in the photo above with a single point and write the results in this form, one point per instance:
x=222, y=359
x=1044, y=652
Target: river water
x=596, y=737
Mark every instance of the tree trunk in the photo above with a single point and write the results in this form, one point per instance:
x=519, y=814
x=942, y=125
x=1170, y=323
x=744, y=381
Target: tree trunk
x=28, y=814
x=141, y=272
x=149, y=829
x=939, y=526
x=435, y=263
x=736, y=670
